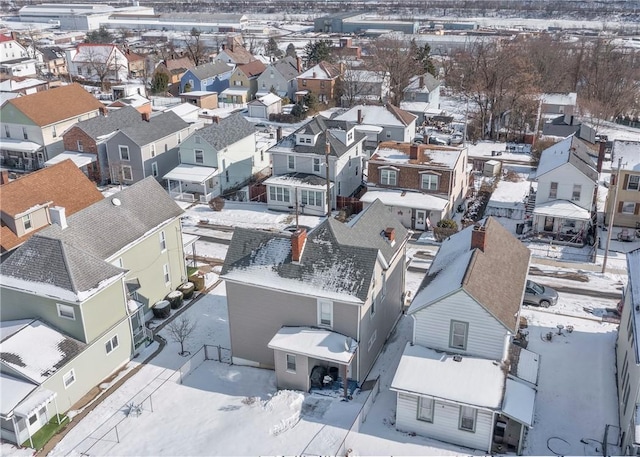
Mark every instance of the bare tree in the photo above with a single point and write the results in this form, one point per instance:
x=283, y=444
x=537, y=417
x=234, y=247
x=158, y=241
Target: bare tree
x=358, y=84
x=196, y=49
x=104, y=65
x=180, y=330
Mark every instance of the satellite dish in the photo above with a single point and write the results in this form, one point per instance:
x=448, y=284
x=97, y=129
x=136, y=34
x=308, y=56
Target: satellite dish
x=116, y=201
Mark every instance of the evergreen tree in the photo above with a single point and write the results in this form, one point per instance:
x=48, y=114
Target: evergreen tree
x=317, y=52
x=291, y=51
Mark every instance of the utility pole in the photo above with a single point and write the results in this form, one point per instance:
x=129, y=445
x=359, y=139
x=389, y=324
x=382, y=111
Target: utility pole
x=613, y=211
x=327, y=150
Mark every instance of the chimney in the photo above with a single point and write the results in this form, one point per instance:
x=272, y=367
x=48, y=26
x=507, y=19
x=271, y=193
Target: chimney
x=215, y=119
x=421, y=81
x=299, y=64
x=278, y=134
x=314, y=74
x=478, y=237
x=58, y=216
x=359, y=116
x=413, y=151
x=601, y=149
x=298, y=239
x=104, y=111
x=390, y=234
x=4, y=176
x=146, y=116
x=224, y=46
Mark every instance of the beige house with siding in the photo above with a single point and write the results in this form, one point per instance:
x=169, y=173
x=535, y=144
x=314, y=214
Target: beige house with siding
x=457, y=380
x=317, y=301
x=626, y=208
x=83, y=288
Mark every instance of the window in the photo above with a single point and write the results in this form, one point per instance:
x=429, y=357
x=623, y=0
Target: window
x=111, y=344
x=383, y=278
x=553, y=191
x=226, y=175
x=79, y=146
x=53, y=131
x=429, y=182
x=291, y=363
x=312, y=197
x=322, y=84
x=124, y=152
x=153, y=150
x=25, y=135
x=199, y=155
x=325, y=313
x=66, y=311
x=26, y=221
x=307, y=140
x=575, y=196
x=69, y=378
x=458, y=335
x=154, y=169
x=165, y=272
x=291, y=163
x=388, y=177
x=33, y=418
x=425, y=409
x=628, y=208
x=467, y=418
x=304, y=82
x=634, y=182
x=7, y=131
x=127, y=173
x=197, y=140
x=163, y=241
x=316, y=165
x=279, y=194
x=372, y=339
x=179, y=137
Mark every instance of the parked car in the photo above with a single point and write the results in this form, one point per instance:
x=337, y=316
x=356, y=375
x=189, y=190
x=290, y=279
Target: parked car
x=262, y=127
x=538, y=295
x=438, y=141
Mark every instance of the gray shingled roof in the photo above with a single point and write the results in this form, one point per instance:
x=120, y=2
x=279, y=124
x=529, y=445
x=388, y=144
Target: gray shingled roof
x=74, y=258
x=318, y=126
x=581, y=159
x=337, y=258
x=115, y=120
x=227, y=131
x=159, y=126
x=208, y=70
x=287, y=67
x=52, y=261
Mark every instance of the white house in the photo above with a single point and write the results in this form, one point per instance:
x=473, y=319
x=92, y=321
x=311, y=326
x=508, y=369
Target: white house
x=456, y=380
x=509, y=199
x=395, y=124
x=299, y=166
x=96, y=61
x=567, y=181
x=628, y=360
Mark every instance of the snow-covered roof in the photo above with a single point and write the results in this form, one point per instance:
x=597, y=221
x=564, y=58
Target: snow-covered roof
x=528, y=366
x=427, y=154
x=562, y=208
x=519, y=402
x=8, y=328
x=13, y=391
x=484, y=149
x=391, y=197
x=316, y=343
x=559, y=99
x=376, y=115
x=471, y=381
x=302, y=180
x=230, y=91
x=508, y=194
x=35, y=402
x=569, y=150
x=14, y=144
x=81, y=159
x=191, y=173
x=269, y=99
x=37, y=362
x=629, y=151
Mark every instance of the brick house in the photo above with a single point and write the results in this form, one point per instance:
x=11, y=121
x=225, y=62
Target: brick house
x=320, y=80
x=420, y=183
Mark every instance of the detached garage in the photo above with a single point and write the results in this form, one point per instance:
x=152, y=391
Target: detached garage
x=263, y=106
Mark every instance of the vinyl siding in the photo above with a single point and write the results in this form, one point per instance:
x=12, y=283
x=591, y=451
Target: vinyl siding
x=446, y=417
x=135, y=159
x=287, y=380
x=566, y=176
x=256, y=315
x=104, y=310
x=188, y=154
x=486, y=336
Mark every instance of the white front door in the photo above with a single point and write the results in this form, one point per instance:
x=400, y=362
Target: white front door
x=421, y=219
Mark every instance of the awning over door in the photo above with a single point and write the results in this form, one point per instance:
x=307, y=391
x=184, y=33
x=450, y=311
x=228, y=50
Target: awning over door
x=519, y=402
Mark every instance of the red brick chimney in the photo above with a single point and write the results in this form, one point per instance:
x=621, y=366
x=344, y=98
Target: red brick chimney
x=299, y=64
x=390, y=234
x=4, y=176
x=413, y=151
x=478, y=237
x=421, y=81
x=359, y=116
x=146, y=116
x=298, y=240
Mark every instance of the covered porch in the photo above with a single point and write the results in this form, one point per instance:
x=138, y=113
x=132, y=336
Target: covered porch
x=515, y=418
x=562, y=220
x=86, y=162
x=302, y=193
x=233, y=96
x=193, y=183
x=307, y=357
x=21, y=154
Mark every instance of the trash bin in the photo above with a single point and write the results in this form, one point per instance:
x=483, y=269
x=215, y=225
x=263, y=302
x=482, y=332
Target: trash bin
x=161, y=309
x=187, y=290
x=519, y=229
x=175, y=298
x=197, y=280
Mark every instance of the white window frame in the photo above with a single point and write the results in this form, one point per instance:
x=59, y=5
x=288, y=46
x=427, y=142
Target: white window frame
x=124, y=148
x=166, y=273
x=325, y=308
x=432, y=181
x=7, y=131
x=425, y=409
x=25, y=134
x=626, y=206
x=455, y=333
x=576, y=193
x=26, y=222
x=553, y=190
x=316, y=165
x=279, y=194
x=69, y=378
x=127, y=173
x=163, y=241
x=636, y=182
x=197, y=152
x=153, y=149
x=154, y=169
x=112, y=344
x=79, y=145
x=68, y=309
x=372, y=340
x=54, y=132
x=388, y=177
x=312, y=197
x=290, y=360
x=468, y=413
x=291, y=163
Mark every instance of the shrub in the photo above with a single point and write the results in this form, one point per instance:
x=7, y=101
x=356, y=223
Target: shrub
x=448, y=224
